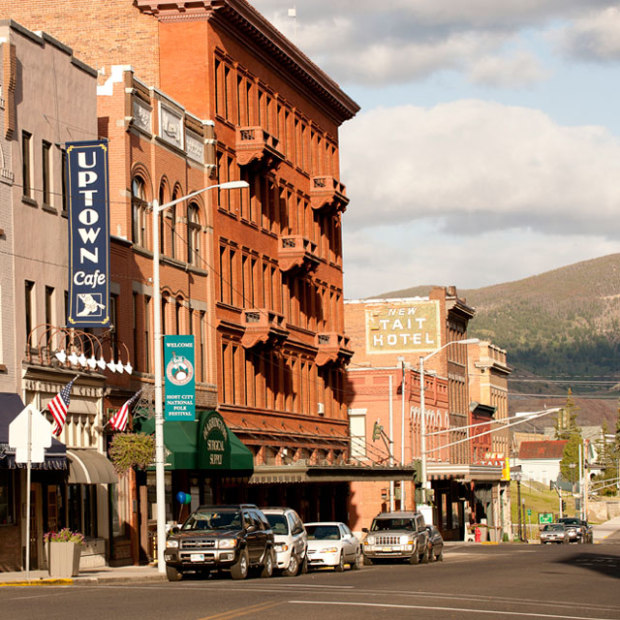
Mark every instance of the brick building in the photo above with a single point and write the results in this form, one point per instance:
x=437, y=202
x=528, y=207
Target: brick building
x=270, y=257
x=389, y=336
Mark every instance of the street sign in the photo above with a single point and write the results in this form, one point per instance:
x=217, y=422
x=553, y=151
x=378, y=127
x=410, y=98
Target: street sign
x=545, y=517
x=39, y=435
x=529, y=512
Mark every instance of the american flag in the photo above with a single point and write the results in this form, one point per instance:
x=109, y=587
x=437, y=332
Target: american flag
x=58, y=407
x=119, y=420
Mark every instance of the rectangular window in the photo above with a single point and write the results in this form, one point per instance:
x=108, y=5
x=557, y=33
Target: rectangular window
x=134, y=327
x=30, y=311
x=7, y=503
x=63, y=172
x=202, y=347
x=147, y=333
x=46, y=169
x=27, y=164
x=357, y=425
x=49, y=310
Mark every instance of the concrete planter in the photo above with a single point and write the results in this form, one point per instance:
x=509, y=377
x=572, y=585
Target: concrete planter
x=64, y=559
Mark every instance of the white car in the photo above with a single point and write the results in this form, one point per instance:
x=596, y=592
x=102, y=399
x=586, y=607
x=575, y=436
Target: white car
x=291, y=542
x=331, y=543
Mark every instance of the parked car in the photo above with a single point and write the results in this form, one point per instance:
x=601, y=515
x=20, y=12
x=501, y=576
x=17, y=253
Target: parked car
x=578, y=530
x=435, y=543
x=291, y=540
x=235, y=538
x=554, y=533
x=396, y=535
x=331, y=543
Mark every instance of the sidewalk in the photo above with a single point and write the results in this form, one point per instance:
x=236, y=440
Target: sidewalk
x=606, y=530
x=87, y=577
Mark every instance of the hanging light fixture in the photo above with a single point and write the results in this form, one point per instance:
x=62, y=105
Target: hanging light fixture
x=61, y=356
x=73, y=358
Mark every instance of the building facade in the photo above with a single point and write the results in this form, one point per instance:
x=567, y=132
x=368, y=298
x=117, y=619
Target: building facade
x=389, y=336
x=48, y=99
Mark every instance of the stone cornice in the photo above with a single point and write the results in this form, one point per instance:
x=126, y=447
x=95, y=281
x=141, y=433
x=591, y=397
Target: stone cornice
x=245, y=23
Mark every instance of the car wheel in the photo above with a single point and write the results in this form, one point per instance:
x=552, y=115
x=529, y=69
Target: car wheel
x=240, y=569
x=339, y=568
x=358, y=562
x=304, y=564
x=425, y=556
x=267, y=569
x=293, y=567
x=368, y=561
x=415, y=558
x=173, y=574
x=439, y=556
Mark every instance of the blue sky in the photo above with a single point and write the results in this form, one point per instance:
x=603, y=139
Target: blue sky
x=487, y=148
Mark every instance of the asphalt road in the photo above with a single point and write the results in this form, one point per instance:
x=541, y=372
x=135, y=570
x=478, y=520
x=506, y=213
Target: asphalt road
x=505, y=581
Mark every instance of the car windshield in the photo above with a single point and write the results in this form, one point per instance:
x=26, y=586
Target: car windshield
x=553, y=527
x=213, y=520
x=278, y=524
x=323, y=532
x=570, y=521
x=392, y=524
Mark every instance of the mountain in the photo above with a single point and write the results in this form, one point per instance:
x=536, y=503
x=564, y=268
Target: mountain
x=560, y=329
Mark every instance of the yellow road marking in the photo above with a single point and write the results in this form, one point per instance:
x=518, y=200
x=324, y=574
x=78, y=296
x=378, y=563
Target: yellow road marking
x=241, y=611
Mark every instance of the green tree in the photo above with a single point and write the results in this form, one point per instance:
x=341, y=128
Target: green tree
x=566, y=428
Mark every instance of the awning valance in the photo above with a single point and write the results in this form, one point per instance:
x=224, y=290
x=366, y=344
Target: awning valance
x=204, y=444
x=11, y=405
x=87, y=466
x=268, y=474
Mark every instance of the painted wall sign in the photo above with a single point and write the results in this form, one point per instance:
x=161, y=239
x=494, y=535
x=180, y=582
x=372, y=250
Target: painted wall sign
x=89, y=234
x=402, y=327
x=180, y=401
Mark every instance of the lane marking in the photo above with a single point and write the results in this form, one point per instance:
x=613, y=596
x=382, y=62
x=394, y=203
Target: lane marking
x=448, y=609
x=242, y=611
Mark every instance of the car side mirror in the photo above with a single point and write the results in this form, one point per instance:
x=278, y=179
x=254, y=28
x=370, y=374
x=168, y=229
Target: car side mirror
x=365, y=530
x=175, y=529
x=250, y=528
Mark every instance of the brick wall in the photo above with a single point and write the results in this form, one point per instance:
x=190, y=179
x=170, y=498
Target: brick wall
x=100, y=33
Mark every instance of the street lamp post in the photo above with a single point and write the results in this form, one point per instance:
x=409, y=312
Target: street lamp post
x=517, y=477
x=160, y=458
x=423, y=476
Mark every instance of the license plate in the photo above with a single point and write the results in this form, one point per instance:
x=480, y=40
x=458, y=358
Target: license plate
x=386, y=549
x=197, y=557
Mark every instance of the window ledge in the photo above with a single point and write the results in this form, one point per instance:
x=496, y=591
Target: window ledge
x=49, y=208
x=31, y=202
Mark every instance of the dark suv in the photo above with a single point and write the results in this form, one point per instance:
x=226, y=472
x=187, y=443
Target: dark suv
x=235, y=538
x=396, y=535
x=578, y=530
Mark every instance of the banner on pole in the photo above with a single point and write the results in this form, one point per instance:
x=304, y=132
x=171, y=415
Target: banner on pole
x=180, y=401
x=89, y=234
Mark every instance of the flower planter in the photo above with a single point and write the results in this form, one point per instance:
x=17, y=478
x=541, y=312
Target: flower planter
x=64, y=559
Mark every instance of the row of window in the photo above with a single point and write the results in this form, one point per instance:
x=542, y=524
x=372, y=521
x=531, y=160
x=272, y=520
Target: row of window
x=178, y=317
x=277, y=209
x=248, y=281
x=268, y=380
x=180, y=237
x=51, y=167
x=242, y=99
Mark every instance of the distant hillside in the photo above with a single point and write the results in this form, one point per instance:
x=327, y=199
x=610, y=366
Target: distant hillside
x=563, y=325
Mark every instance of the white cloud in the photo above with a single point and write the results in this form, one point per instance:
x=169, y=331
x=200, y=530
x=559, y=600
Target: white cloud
x=403, y=40
x=480, y=166
x=594, y=37
x=517, y=71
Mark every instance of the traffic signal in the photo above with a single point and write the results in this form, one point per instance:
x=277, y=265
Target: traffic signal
x=376, y=431
x=563, y=505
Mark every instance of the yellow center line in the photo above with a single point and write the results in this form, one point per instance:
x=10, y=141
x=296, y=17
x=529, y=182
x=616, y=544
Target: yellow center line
x=241, y=611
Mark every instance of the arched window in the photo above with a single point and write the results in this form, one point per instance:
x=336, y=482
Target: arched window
x=193, y=234
x=139, y=211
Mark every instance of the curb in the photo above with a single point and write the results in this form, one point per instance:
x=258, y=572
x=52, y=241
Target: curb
x=38, y=582
x=84, y=581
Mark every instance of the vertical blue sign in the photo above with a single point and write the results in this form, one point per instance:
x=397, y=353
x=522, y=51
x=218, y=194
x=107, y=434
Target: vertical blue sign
x=89, y=234
x=180, y=402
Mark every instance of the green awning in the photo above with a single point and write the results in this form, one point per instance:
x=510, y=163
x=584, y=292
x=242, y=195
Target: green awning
x=189, y=446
